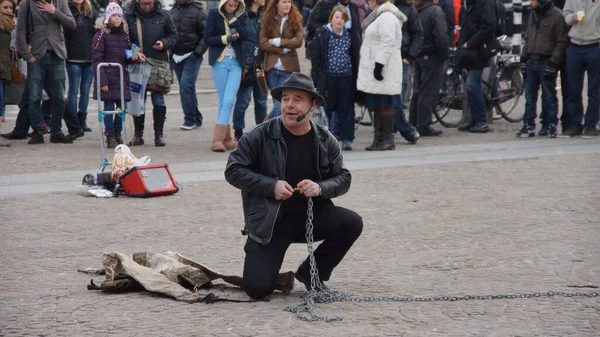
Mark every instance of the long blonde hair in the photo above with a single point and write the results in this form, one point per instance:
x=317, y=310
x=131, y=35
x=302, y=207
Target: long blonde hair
x=85, y=8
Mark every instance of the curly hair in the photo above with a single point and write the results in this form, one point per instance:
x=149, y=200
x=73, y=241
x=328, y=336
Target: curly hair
x=294, y=17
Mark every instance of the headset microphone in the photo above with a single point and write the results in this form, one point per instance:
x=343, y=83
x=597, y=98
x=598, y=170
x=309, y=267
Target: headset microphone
x=301, y=117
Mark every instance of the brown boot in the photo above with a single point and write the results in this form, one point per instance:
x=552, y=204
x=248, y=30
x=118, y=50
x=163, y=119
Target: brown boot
x=229, y=142
x=218, y=137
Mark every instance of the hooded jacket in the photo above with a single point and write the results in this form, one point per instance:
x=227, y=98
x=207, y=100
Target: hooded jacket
x=547, y=36
x=381, y=44
x=79, y=40
x=217, y=29
x=435, y=34
x=189, y=19
x=109, y=45
x=157, y=25
x=259, y=162
x=588, y=31
x=412, y=31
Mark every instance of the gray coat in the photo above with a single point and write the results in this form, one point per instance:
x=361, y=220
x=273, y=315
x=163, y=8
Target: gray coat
x=45, y=31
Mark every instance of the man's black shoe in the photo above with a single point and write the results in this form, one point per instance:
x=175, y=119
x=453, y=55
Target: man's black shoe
x=12, y=135
x=36, y=138
x=60, y=138
x=74, y=136
x=465, y=127
x=304, y=278
x=480, y=127
x=428, y=131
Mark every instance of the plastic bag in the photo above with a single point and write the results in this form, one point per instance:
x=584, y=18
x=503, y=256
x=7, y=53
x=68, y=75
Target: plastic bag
x=124, y=160
x=320, y=117
x=139, y=73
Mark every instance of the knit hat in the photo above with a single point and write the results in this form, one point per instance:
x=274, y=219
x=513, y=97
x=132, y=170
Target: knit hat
x=112, y=9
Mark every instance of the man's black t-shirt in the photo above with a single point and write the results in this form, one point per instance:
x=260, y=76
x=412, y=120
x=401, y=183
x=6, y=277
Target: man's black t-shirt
x=299, y=165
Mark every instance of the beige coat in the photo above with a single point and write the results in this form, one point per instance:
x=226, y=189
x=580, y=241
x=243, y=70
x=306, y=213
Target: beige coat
x=291, y=38
x=381, y=44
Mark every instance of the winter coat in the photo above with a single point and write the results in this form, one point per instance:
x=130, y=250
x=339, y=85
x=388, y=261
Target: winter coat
x=251, y=46
x=5, y=52
x=259, y=161
x=79, y=40
x=588, y=31
x=412, y=31
x=110, y=45
x=478, y=26
x=217, y=30
x=547, y=36
x=46, y=33
x=319, y=59
x=448, y=9
x=189, y=20
x=382, y=42
x=157, y=25
x=319, y=16
x=291, y=38
x=435, y=35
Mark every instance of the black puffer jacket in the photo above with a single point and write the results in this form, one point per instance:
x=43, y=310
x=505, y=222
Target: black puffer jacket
x=157, y=25
x=319, y=16
x=258, y=163
x=435, y=33
x=412, y=31
x=189, y=19
x=79, y=40
x=478, y=26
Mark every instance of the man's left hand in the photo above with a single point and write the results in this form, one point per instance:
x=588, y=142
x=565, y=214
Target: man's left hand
x=309, y=188
x=46, y=7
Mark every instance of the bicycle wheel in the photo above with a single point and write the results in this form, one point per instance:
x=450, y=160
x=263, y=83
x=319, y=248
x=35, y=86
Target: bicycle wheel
x=509, y=92
x=451, y=108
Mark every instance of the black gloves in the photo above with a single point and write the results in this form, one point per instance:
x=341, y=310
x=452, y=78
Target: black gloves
x=377, y=72
x=550, y=70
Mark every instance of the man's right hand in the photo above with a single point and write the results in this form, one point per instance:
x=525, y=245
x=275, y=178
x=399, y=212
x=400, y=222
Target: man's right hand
x=283, y=190
x=31, y=60
x=104, y=88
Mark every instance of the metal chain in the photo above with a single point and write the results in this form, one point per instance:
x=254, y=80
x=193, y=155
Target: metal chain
x=318, y=295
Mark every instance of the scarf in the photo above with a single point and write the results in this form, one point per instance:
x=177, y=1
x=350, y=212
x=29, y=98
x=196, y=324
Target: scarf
x=369, y=19
x=7, y=22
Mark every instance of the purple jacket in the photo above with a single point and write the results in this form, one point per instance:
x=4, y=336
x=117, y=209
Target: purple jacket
x=109, y=46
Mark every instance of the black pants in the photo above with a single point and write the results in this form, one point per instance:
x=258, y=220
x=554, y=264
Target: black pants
x=338, y=226
x=429, y=76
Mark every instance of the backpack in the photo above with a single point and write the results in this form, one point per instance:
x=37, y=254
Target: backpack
x=500, y=18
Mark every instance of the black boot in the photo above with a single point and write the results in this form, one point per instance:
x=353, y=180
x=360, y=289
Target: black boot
x=111, y=140
x=378, y=132
x=160, y=115
x=138, y=132
x=118, y=135
x=387, y=136
x=82, y=121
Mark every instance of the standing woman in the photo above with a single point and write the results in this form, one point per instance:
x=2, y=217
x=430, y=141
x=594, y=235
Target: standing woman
x=79, y=58
x=380, y=69
x=7, y=26
x=280, y=35
x=226, y=28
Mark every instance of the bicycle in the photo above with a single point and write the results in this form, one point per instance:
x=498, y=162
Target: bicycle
x=502, y=89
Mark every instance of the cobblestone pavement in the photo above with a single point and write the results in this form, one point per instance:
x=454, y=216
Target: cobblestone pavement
x=455, y=215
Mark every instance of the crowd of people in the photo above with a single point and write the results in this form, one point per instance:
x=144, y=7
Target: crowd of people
x=360, y=52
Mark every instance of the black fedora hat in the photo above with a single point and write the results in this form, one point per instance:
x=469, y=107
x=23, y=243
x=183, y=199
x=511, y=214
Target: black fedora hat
x=298, y=81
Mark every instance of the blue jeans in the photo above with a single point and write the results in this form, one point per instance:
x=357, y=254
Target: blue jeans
x=579, y=60
x=340, y=98
x=275, y=78
x=242, y=103
x=50, y=70
x=2, y=97
x=475, y=96
x=81, y=76
x=187, y=74
x=400, y=123
x=227, y=76
x=534, y=78
x=157, y=99
x=112, y=121
x=405, y=79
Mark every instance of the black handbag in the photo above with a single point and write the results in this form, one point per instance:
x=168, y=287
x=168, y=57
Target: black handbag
x=251, y=66
x=490, y=49
x=466, y=57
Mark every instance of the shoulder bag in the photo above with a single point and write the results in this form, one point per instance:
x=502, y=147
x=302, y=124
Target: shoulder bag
x=161, y=76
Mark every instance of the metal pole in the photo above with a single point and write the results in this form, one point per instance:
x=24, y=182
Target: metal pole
x=517, y=21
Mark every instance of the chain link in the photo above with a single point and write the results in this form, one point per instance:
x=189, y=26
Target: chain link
x=305, y=309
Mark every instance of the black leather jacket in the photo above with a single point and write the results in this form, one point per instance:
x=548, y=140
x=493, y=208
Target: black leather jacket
x=259, y=162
